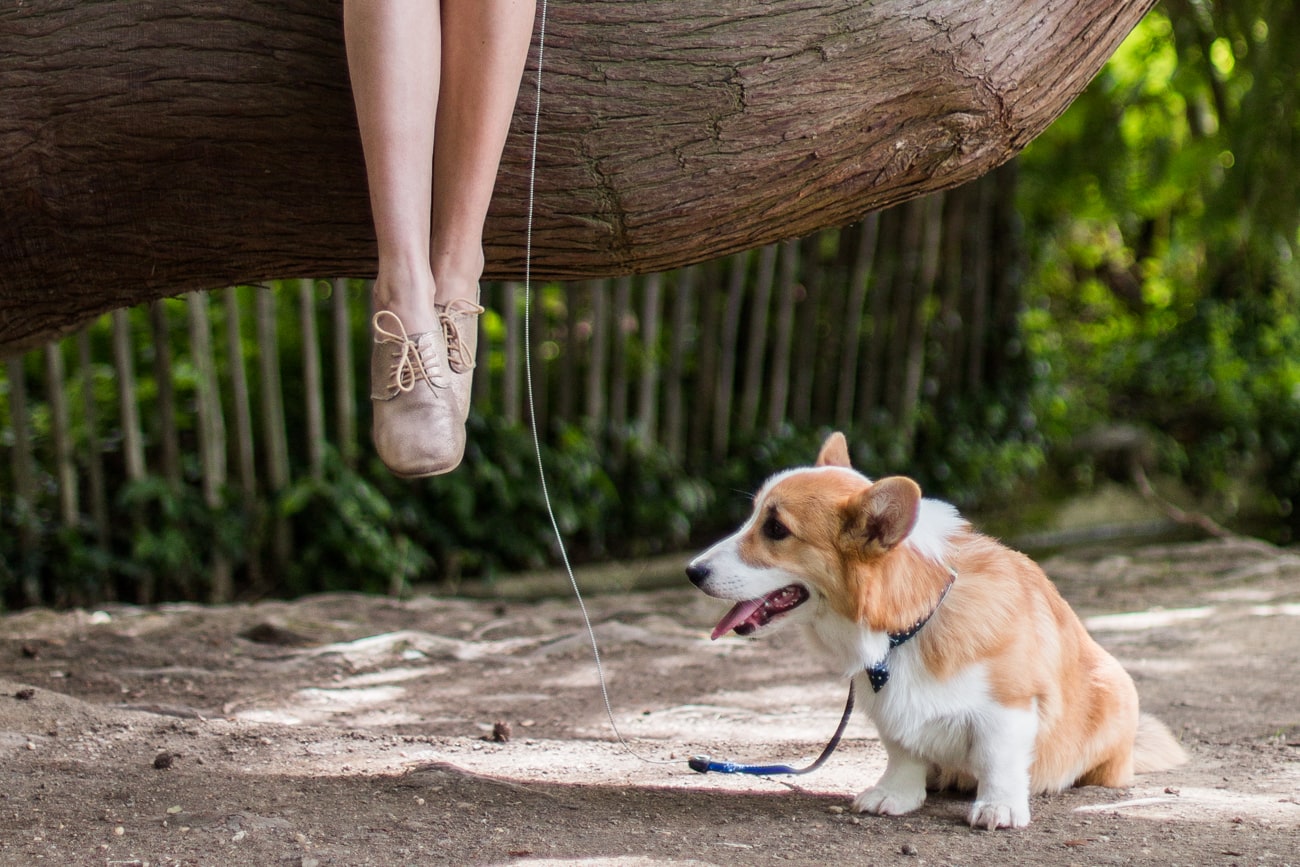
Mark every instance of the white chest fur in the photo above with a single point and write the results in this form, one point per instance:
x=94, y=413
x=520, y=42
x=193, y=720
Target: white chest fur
x=937, y=721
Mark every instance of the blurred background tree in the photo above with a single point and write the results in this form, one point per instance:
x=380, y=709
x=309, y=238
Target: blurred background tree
x=1163, y=220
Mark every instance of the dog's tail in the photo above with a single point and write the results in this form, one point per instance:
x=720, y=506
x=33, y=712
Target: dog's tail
x=1156, y=748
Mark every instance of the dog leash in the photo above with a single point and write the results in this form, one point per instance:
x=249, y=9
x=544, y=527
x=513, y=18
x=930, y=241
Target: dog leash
x=532, y=407
x=704, y=765
x=700, y=764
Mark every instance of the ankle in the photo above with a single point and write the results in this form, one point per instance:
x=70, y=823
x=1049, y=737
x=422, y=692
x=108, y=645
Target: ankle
x=457, y=277
x=409, y=295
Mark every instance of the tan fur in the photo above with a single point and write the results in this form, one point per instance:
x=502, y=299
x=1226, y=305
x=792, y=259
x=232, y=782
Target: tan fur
x=1002, y=612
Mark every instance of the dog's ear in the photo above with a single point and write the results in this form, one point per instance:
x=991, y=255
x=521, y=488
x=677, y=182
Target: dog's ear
x=884, y=513
x=835, y=452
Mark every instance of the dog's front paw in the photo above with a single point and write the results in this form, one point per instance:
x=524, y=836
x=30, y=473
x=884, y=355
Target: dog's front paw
x=991, y=815
x=886, y=801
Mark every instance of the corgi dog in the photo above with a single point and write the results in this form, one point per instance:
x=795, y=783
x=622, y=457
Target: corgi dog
x=975, y=671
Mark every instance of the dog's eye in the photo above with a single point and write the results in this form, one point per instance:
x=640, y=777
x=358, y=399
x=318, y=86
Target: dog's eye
x=775, y=530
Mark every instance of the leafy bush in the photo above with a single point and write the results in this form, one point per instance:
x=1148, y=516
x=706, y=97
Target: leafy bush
x=345, y=536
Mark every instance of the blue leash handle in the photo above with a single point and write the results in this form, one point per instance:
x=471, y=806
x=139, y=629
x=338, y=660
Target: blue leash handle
x=705, y=765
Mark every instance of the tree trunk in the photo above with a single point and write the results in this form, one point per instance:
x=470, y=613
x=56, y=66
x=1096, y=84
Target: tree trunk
x=148, y=149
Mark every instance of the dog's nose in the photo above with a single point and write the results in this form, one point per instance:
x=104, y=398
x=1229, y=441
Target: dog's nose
x=698, y=573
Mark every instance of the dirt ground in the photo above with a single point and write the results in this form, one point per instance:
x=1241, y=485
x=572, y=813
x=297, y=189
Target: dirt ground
x=352, y=730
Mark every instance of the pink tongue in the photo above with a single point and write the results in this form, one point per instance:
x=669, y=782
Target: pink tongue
x=741, y=612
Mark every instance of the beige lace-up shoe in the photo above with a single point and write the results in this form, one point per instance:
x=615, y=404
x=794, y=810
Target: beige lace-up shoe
x=419, y=426
x=460, y=328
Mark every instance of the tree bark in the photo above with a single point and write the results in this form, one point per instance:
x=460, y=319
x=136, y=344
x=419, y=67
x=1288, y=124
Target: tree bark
x=148, y=149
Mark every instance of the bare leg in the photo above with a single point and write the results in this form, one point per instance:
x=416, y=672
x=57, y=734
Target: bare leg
x=485, y=47
x=394, y=55
x=422, y=70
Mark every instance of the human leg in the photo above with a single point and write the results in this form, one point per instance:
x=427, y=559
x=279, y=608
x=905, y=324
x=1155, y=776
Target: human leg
x=485, y=47
x=394, y=58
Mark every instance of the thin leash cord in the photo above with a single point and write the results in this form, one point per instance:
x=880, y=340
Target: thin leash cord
x=532, y=408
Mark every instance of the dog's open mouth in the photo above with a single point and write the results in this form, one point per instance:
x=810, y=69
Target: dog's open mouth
x=752, y=614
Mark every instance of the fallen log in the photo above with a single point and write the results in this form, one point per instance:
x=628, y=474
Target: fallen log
x=148, y=148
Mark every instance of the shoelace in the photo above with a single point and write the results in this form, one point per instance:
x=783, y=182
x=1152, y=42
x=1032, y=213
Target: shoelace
x=410, y=366
x=459, y=358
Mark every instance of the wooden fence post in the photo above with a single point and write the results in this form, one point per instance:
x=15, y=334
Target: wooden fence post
x=345, y=396
x=724, y=386
x=244, y=446
x=647, y=412
x=598, y=352
x=94, y=446
x=65, y=469
x=132, y=435
x=511, y=386
x=778, y=390
x=620, y=325
x=24, y=469
x=169, y=446
x=274, y=437
x=812, y=383
x=855, y=304
x=757, y=342
x=212, y=434
x=679, y=342
x=311, y=378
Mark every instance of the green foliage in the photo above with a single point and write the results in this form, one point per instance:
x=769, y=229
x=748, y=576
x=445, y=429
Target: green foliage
x=345, y=536
x=1165, y=216
x=173, y=535
x=490, y=515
